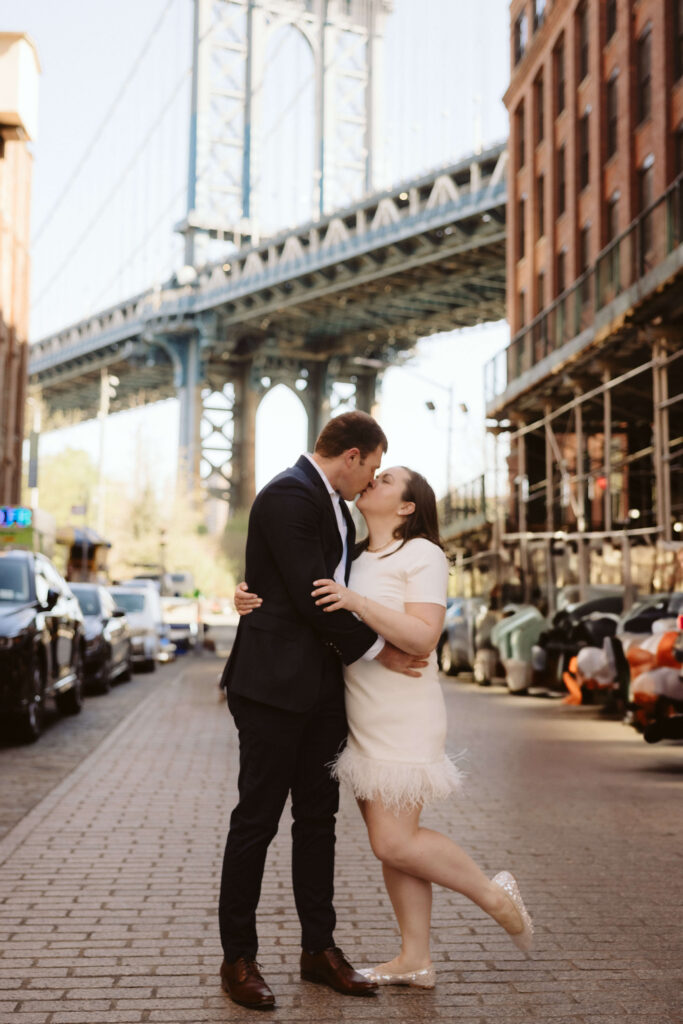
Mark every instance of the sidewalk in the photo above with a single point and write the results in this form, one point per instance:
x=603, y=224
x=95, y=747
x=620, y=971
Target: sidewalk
x=108, y=888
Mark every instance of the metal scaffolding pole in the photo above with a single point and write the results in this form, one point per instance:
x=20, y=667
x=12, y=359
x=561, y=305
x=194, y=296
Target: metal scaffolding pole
x=607, y=449
x=582, y=551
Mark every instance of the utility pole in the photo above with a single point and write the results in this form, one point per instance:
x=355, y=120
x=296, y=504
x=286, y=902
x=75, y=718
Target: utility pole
x=108, y=384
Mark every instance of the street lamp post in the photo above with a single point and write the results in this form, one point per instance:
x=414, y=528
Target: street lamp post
x=108, y=384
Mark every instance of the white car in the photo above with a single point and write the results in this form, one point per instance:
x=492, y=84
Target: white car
x=181, y=616
x=143, y=611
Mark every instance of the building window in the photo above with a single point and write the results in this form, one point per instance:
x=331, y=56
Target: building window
x=584, y=247
x=539, y=13
x=561, y=270
x=646, y=196
x=646, y=181
x=611, y=272
x=561, y=180
x=612, y=119
x=678, y=38
x=539, y=105
x=540, y=291
x=521, y=236
x=612, y=218
x=584, y=258
x=584, y=151
x=521, y=309
x=678, y=150
x=520, y=131
x=540, y=204
x=644, y=79
x=611, y=18
x=521, y=36
x=558, y=65
x=582, y=40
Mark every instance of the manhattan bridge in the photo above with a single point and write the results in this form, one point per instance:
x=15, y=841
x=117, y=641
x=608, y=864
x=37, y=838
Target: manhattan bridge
x=334, y=300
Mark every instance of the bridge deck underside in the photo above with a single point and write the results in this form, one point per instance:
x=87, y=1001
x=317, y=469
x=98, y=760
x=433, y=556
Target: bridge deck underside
x=367, y=282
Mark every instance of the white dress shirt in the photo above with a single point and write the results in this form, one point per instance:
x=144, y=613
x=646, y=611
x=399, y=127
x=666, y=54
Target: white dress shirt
x=340, y=571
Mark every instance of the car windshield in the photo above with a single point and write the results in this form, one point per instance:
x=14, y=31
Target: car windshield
x=130, y=602
x=14, y=580
x=89, y=600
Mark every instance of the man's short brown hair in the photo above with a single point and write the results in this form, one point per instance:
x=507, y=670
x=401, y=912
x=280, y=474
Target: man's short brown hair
x=351, y=430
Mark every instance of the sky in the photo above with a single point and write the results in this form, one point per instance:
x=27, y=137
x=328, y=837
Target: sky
x=109, y=183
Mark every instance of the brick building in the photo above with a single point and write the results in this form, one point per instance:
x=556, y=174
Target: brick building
x=19, y=71
x=589, y=390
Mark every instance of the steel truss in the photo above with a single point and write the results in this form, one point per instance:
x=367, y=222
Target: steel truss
x=230, y=44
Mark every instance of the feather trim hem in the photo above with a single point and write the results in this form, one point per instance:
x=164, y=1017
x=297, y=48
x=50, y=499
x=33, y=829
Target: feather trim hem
x=400, y=786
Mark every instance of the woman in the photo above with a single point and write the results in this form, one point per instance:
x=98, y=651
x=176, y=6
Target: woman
x=395, y=759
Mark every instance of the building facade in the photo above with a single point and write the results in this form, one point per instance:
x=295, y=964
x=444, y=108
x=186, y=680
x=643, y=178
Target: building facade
x=589, y=391
x=19, y=71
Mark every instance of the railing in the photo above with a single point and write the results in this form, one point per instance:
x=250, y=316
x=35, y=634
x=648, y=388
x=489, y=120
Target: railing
x=464, y=506
x=646, y=243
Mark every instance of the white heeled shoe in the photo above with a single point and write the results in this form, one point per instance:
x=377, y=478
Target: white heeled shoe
x=524, y=938
x=426, y=978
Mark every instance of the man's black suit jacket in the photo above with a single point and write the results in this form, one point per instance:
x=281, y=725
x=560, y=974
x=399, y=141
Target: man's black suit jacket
x=279, y=649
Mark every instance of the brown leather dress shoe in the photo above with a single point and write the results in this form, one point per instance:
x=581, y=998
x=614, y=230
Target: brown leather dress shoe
x=243, y=982
x=330, y=967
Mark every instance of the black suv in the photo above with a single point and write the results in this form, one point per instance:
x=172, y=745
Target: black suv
x=41, y=642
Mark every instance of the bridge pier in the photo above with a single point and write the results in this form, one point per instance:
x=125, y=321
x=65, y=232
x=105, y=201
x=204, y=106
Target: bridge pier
x=187, y=353
x=317, y=401
x=243, y=465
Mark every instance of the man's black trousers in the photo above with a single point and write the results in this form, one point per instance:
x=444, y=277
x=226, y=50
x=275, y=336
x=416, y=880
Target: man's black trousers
x=282, y=752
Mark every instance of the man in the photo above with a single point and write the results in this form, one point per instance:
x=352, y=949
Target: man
x=285, y=691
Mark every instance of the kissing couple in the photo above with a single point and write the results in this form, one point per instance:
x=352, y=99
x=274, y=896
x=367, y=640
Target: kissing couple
x=333, y=677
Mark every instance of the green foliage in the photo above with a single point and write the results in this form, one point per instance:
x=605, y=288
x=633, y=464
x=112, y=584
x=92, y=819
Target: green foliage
x=66, y=479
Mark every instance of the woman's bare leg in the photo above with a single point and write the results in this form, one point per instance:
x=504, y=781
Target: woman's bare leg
x=401, y=843
x=411, y=899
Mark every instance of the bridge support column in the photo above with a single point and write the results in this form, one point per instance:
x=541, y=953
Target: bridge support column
x=188, y=383
x=317, y=401
x=243, y=470
x=366, y=393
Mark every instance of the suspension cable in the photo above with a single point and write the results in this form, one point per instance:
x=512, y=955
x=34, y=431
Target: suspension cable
x=104, y=123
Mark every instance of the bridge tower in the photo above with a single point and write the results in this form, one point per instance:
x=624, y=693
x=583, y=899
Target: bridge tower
x=229, y=65
x=218, y=405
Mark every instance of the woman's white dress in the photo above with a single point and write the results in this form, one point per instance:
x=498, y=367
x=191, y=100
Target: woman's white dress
x=397, y=724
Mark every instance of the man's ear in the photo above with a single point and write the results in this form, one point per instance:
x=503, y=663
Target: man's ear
x=351, y=454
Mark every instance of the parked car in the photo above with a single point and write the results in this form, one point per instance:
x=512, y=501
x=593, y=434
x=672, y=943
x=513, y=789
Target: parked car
x=181, y=617
x=108, y=648
x=640, y=617
x=143, y=611
x=457, y=647
x=41, y=642
x=574, y=627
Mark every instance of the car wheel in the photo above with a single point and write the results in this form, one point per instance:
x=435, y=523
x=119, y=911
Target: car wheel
x=447, y=666
x=33, y=717
x=105, y=678
x=71, y=702
x=127, y=673
x=151, y=665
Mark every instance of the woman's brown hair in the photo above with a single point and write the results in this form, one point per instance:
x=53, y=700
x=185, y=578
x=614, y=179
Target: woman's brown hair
x=423, y=522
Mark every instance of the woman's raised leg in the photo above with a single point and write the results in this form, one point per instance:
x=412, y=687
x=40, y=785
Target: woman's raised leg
x=401, y=843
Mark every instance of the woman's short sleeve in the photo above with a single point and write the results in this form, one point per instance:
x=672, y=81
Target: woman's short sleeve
x=427, y=574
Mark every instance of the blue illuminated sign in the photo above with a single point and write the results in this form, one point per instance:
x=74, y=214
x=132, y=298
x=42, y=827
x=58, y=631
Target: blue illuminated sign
x=11, y=515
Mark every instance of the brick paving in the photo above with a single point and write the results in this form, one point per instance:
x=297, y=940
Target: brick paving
x=29, y=772
x=108, y=886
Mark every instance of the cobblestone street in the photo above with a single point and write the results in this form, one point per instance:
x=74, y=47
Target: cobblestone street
x=108, y=885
